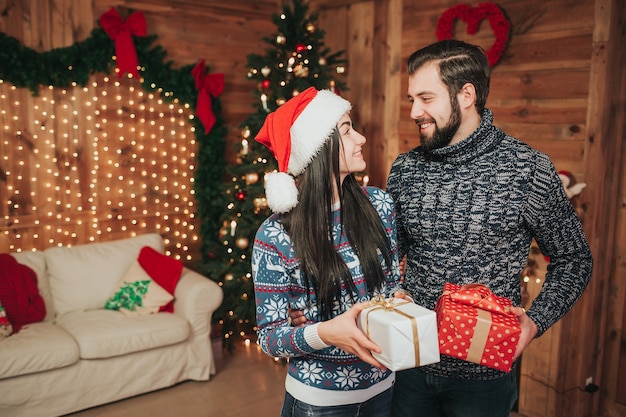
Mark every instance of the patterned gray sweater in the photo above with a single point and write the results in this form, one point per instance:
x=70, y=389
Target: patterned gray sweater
x=467, y=213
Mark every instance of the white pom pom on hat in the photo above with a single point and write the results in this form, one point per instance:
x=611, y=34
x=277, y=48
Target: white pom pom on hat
x=295, y=133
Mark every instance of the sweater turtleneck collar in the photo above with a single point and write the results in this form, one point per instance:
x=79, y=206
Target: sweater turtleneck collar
x=484, y=138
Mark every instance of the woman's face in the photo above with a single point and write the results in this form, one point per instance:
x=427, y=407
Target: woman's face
x=350, y=153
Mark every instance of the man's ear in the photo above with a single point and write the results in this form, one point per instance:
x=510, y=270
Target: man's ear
x=467, y=96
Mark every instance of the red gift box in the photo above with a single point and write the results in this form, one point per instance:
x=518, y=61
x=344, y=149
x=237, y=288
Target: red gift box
x=477, y=326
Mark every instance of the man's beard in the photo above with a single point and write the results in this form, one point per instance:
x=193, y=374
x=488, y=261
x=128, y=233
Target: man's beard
x=442, y=136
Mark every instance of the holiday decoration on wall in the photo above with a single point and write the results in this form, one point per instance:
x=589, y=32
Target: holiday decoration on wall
x=473, y=16
x=120, y=31
x=119, y=169
x=295, y=60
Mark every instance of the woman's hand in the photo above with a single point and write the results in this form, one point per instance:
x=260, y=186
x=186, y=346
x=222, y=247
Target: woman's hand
x=297, y=317
x=342, y=331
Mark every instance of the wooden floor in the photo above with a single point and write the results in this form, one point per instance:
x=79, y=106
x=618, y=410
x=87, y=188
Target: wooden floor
x=247, y=383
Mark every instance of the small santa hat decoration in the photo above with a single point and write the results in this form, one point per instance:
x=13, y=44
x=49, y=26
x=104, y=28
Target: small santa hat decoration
x=567, y=179
x=295, y=133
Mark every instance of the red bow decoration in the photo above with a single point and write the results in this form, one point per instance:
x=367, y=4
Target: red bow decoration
x=120, y=31
x=480, y=296
x=208, y=85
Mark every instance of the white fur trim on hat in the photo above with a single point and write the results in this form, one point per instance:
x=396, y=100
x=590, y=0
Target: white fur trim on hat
x=313, y=127
x=280, y=191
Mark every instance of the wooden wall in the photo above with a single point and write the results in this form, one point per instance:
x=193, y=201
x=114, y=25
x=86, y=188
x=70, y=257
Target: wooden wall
x=559, y=87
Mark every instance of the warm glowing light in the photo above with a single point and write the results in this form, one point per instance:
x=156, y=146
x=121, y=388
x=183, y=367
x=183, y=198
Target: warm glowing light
x=106, y=159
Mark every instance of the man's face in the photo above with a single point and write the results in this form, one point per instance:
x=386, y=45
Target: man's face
x=436, y=116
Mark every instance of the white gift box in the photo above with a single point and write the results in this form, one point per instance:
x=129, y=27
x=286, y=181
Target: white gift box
x=405, y=331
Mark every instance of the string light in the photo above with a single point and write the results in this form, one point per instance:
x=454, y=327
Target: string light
x=104, y=159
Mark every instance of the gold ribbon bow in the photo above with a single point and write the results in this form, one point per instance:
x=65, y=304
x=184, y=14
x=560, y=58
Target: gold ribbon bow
x=388, y=304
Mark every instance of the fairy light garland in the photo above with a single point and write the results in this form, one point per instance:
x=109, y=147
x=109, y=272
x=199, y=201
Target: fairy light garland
x=104, y=156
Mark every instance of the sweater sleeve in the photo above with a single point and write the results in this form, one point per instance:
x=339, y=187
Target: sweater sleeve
x=559, y=234
x=272, y=292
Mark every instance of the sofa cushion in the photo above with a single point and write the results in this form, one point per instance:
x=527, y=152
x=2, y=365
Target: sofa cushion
x=137, y=293
x=106, y=333
x=37, y=347
x=19, y=293
x=36, y=260
x=163, y=269
x=83, y=277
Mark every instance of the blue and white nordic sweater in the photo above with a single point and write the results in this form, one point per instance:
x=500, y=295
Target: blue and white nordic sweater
x=314, y=367
x=467, y=213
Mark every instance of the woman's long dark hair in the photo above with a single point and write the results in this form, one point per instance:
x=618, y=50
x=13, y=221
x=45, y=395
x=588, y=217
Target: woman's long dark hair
x=310, y=223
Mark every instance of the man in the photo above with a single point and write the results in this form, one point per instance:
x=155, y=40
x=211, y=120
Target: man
x=470, y=199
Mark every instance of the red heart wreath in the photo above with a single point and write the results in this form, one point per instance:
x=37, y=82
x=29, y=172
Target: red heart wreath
x=473, y=16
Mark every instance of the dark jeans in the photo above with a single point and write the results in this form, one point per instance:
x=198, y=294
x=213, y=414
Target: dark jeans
x=378, y=406
x=418, y=394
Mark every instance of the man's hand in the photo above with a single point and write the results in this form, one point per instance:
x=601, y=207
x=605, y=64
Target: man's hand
x=342, y=331
x=529, y=330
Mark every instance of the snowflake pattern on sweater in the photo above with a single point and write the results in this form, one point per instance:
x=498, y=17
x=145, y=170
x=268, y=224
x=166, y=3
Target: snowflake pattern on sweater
x=279, y=284
x=467, y=213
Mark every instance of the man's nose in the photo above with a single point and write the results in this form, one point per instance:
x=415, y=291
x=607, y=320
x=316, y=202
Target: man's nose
x=416, y=110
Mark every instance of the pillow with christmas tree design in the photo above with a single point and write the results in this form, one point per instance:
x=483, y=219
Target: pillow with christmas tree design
x=5, y=325
x=138, y=294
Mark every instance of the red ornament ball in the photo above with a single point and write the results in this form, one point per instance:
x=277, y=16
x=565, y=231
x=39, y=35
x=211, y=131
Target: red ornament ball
x=265, y=84
x=300, y=47
x=240, y=195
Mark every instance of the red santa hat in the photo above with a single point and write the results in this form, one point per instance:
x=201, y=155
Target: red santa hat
x=295, y=133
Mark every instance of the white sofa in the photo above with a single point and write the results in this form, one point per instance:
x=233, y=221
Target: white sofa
x=82, y=355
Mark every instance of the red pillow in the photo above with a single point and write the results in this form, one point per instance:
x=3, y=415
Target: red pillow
x=164, y=270
x=19, y=294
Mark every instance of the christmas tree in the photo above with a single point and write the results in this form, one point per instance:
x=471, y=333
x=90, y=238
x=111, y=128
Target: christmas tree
x=296, y=60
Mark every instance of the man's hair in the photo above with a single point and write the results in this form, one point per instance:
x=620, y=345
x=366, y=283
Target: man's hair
x=310, y=227
x=459, y=63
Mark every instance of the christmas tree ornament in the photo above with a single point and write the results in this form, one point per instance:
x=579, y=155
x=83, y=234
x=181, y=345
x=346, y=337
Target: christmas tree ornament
x=228, y=277
x=280, y=101
x=301, y=71
x=266, y=71
x=245, y=132
x=260, y=202
x=242, y=242
x=265, y=84
x=240, y=195
x=280, y=39
x=310, y=27
x=300, y=47
x=252, y=178
x=340, y=69
x=322, y=61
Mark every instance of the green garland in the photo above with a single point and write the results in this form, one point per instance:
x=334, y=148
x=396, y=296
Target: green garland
x=61, y=67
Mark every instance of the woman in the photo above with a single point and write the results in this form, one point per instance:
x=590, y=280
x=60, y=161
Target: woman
x=329, y=247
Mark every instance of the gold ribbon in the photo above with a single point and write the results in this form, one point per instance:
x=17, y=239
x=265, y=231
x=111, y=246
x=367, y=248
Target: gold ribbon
x=379, y=302
x=481, y=333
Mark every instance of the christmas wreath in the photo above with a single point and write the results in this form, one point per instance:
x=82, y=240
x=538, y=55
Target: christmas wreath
x=473, y=16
